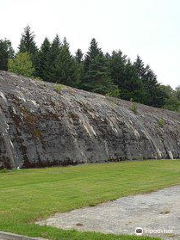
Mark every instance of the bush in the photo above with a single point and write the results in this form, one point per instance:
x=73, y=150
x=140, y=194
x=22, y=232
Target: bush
x=21, y=65
x=134, y=108
x=59, y=88
x=161, y=122
x=3, y=170
x=38, y=79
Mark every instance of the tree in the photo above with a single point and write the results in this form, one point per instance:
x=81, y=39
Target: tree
x=97, y=78
x=21, y=65
x=109, y=74
x=43, y=66
x=167, y=89
x=94, y=50
x=117, y=67
x=6, y=53
x=79, y=66
x=171, y=102
x=125, y=76
x=79, y=56
x=92, y=53
x=139, y=65
x=177, y=93
x=55, y=48
x=28, y=44
x=153, y=94
x=55, y=51
x=65, y=70
x=132, y=85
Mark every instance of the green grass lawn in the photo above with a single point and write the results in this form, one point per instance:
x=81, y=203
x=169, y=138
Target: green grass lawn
x=28, y=195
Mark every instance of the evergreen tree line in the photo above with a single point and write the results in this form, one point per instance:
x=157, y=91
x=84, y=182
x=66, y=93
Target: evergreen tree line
x=109, y=74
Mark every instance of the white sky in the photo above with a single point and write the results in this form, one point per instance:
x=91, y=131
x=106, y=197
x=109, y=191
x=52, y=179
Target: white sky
x=150, y=28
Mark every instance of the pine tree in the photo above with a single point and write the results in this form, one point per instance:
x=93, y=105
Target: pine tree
x=6, y=53
x=96, y=77
x=43, y=66
x=139, y=65
x=153, y=94
x=98, y=80
x=132, y=87
x=55, y=48
x=117, y=65
x=109, y=74
x=65, y=66
x=55, y=51
x=93, y=52
x=79, y=67
x=79, y=56
x=28, y=44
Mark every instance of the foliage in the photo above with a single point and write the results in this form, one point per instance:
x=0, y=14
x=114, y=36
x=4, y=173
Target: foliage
x=3, y=170
x=44, y=63
x=21, y=65
x=63, y=189
x=6, y=53
x=79, y=67
x=59, y=88
x=113, y=92
x=172, y=101
x=111, y=74
x=38, y=79
x=152, y=93
x=96, y=77
x=65, y=66
x=134, y=108
x=177, y=93
x=27, y=42
x=79, y=56
x=161, y=122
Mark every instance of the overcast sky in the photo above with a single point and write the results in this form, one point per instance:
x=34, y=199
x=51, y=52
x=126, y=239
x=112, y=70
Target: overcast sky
x=150, y=28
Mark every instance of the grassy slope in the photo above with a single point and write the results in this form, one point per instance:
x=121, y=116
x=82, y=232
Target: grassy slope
x=28, y=195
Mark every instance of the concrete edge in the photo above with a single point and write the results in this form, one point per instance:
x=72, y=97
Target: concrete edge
x=12, y=236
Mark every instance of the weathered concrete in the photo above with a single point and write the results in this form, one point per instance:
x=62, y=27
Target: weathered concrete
x=40, y=127
x=12, y=236
x=157, y=211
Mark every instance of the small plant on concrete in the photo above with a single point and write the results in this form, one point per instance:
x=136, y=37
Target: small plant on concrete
x=166, y=211
x=161, y=122
x=58, y=88
x=38, y=79
x=134, y=108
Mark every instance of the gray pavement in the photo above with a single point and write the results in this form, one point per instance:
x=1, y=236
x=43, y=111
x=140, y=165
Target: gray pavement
x=157, y=213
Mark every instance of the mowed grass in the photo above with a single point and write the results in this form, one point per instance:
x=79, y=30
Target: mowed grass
x=29, y=195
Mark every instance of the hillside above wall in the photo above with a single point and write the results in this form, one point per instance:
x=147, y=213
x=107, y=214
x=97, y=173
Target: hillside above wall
x=45, y=125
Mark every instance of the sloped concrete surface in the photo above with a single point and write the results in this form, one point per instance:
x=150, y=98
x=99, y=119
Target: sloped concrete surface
x=40, y=126
x=157, y=213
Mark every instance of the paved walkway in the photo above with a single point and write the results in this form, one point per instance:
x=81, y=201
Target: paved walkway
x=157, y=211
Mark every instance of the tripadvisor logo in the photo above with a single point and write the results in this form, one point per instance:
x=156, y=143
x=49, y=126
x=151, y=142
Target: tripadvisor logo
x=138, y=231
